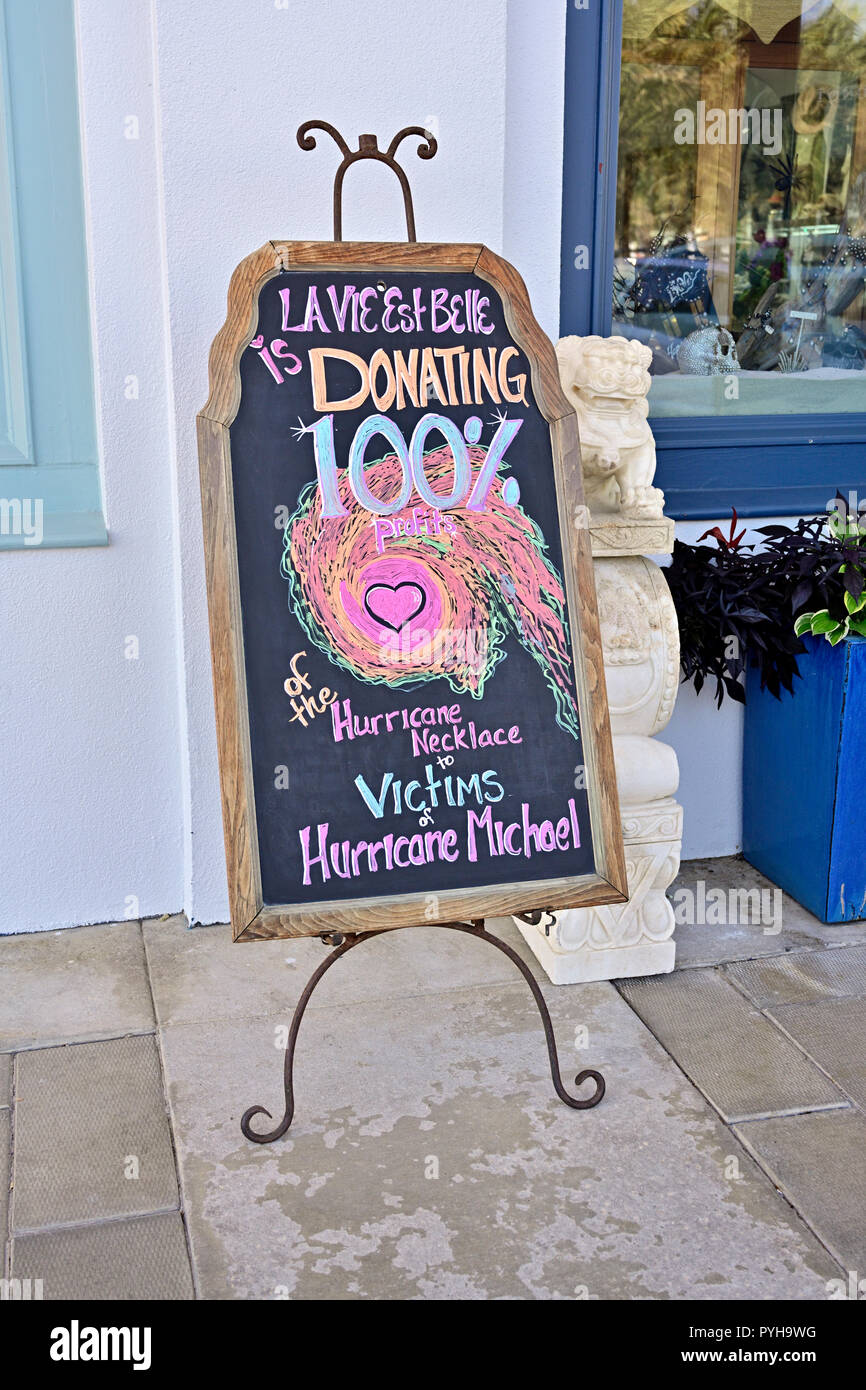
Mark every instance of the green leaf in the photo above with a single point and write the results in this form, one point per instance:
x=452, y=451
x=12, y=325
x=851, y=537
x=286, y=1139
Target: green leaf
x=858, y=625
x=837, y=634
x=822, y=622
x=804, y=623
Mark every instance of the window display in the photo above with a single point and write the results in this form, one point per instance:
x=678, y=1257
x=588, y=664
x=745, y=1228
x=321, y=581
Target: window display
x=740, y=251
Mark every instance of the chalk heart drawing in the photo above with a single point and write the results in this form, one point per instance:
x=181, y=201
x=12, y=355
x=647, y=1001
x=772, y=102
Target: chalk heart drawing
x=488, y=580
x=395, y=605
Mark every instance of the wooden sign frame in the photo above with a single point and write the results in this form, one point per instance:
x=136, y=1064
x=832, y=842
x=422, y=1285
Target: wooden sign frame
x=251, y=918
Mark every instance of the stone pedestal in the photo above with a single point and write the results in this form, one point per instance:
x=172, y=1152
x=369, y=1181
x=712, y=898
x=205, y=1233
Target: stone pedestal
x=607, y=380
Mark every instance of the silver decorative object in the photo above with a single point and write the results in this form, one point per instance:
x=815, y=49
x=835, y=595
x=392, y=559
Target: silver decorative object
x=791, y=361
x=708, y=352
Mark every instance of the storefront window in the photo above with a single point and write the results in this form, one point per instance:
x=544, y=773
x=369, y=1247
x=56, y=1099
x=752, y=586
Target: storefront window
x=740, y=246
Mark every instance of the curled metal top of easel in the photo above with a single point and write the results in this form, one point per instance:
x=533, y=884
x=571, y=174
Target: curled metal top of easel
x=368, y=148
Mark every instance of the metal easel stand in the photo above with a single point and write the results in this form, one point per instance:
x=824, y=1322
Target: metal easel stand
x=368, y=149
x=342, y=945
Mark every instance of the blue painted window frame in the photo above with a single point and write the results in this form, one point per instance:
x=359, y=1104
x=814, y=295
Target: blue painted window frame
x=49, y=452
x=764, y=465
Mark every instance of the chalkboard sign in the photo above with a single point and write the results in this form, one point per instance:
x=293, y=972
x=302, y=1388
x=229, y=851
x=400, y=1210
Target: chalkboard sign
x=409, y=690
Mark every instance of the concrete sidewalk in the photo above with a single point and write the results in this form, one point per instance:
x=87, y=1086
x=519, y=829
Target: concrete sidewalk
x=430, y=1157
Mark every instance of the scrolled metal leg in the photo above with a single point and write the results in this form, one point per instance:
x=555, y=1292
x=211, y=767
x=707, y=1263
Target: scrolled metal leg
x=346, y=944
x=576, y=1103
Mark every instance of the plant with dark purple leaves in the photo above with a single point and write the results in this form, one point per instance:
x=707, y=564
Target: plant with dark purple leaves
x=739, y=602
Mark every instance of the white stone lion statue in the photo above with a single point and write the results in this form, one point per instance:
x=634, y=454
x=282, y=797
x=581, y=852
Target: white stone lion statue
x=607, y=380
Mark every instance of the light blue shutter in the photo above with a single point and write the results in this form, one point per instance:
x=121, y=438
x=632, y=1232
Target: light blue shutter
x=47, y=425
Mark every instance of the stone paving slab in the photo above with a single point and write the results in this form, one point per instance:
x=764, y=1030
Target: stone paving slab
x=819, y=1162
x=85, y=1116
x=798, y=979
x=431, y=1159
x=201, y=974
x=834, y=1033
x=90, y=982
x=733, y=939
x=732, y=1053
x=5, y=1079
x=141, y=1258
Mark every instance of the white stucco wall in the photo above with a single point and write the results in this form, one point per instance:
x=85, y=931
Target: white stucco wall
x=109, y=765
x=91, y=741
x=709, y=741
x=232, y=94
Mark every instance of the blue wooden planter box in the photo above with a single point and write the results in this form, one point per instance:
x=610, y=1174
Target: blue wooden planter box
x=804, y=781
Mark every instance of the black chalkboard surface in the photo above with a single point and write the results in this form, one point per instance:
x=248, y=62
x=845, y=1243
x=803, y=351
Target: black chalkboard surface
x=411, y=699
